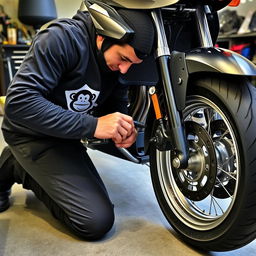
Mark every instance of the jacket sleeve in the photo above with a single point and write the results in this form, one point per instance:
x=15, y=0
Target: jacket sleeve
x=53, y=52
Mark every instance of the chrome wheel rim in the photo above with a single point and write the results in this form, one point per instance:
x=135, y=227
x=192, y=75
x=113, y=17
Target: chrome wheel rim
x=211, y=211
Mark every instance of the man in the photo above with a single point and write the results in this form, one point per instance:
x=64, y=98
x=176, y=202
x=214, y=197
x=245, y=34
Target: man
x=66, y=90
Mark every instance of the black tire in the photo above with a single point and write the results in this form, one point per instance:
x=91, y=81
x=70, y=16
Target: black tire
x=234, y=101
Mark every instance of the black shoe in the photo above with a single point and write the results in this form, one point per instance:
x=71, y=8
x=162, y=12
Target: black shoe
x=6, y=178
x=4, y=200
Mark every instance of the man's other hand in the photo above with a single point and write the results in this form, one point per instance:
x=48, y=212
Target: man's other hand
x=118, y=127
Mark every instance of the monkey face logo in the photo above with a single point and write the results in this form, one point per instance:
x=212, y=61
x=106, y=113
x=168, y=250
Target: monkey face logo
x=81, y=100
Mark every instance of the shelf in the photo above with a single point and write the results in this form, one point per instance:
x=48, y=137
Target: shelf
x=11, y=57
x=14, y=46
x=236, y=36
x=227, y=41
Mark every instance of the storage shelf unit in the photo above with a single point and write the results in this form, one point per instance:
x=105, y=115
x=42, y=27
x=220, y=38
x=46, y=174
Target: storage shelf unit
x=227, y=41
x=10, y=61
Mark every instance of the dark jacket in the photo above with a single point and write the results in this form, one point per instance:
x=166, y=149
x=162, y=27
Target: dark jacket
x=60, y=85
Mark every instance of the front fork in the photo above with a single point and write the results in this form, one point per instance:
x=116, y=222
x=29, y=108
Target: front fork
x=177, y=132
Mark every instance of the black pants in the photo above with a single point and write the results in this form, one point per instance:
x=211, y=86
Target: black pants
x=63, y=177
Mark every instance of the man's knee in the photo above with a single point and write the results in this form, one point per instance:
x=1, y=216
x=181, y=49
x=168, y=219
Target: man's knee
x=94, y=226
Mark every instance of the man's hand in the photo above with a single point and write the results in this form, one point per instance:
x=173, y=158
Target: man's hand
x=128, y=141
x=118, y=127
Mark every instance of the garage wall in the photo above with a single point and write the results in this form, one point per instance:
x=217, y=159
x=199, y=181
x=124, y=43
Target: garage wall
x=10, y=7
x=65, y=8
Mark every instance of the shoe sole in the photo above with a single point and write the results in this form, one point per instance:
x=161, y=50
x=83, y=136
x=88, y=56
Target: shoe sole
x=5, y=206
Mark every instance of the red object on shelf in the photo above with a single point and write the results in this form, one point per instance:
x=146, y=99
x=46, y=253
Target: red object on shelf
x=239, y=47
x=234, y=3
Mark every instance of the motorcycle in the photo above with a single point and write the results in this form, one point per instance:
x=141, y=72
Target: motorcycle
x=196, y=123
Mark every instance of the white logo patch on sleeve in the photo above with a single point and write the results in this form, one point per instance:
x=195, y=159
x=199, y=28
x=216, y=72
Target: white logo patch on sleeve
x=81, y=100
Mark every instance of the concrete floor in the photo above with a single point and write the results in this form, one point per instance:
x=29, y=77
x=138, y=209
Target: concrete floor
x=28, y=229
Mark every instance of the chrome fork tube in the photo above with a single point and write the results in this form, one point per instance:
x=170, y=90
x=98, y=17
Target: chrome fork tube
x=176, y=127
x=202, y=26
x=162, y=45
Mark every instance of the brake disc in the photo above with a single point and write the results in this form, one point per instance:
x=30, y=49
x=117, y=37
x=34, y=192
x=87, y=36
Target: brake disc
x=197, y=181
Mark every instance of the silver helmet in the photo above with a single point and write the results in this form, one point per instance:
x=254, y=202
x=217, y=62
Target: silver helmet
x=119, y=25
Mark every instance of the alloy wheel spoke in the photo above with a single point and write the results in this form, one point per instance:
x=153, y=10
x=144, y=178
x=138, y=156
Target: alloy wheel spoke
x=215, y=203
x=209, y=113
x=223, y=186
x=228, y=173
x=223, y=135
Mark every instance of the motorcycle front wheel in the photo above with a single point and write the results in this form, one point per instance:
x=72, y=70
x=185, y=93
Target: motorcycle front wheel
x=212, y=203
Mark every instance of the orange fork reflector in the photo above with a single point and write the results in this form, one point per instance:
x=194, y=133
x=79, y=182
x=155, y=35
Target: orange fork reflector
x=156, y=106
x=234, y=3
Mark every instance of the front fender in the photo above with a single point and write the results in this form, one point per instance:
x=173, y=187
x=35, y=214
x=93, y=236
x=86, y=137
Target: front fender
x=218, y=60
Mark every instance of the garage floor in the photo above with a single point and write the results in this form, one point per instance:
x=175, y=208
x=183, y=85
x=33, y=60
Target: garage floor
x=28, y=229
